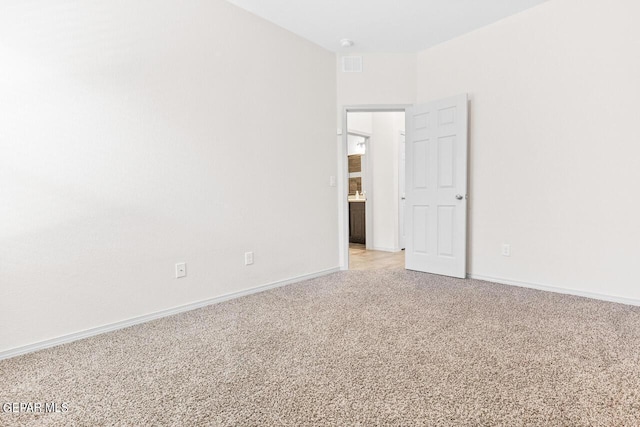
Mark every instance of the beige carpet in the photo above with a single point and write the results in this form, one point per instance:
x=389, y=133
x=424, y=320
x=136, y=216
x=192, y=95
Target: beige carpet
x=354, y=348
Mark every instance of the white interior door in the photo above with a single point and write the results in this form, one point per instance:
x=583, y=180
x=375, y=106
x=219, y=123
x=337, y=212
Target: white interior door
x=436, y=187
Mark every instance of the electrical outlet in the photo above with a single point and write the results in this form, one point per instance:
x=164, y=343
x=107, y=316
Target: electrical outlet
x=181, y=269
x=248, y=258
x=332, y=181
x=506, y=249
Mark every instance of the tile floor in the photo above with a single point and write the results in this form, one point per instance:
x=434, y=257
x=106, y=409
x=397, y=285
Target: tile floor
x=362, y=259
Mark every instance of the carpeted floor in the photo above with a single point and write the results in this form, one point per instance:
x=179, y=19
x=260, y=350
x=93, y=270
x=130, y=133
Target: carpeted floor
x=364, y=348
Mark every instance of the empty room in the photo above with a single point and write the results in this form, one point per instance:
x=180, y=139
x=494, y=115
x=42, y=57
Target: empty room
x=206, y=218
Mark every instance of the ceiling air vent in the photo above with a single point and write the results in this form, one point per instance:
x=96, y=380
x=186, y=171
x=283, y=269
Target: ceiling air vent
x=352, y=64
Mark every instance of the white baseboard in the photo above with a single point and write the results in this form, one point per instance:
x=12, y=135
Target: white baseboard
x=380, y=248
x=568, y=291
x=156, y=315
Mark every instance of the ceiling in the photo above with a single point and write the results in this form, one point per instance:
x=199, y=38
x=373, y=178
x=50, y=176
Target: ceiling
x=383, y=25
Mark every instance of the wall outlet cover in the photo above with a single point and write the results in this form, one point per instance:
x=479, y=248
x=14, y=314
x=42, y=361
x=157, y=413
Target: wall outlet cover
x=181, y=270
x=506, y=250
x=248, y=258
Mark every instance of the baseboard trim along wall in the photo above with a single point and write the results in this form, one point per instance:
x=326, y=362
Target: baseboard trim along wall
x=380, y=248
x=7, y=354
x=567, y=291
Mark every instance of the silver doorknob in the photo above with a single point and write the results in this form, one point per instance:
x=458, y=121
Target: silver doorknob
x=459, y=196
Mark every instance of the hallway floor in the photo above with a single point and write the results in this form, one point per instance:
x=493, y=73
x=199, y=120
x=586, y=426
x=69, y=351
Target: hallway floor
x=362, y=259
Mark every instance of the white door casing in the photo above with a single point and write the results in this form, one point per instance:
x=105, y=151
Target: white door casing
x=436, y=187
x=401, y=191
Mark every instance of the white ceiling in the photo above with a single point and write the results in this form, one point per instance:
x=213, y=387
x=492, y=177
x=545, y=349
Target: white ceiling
x=383, y=25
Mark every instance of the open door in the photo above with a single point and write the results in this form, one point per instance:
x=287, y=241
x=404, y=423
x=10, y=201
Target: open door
x=436, y=187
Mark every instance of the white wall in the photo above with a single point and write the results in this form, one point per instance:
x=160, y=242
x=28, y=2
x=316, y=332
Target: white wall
x=384, y=161
x=386, y=78
x=554, y=142
x=361, y=122
x=137, y=135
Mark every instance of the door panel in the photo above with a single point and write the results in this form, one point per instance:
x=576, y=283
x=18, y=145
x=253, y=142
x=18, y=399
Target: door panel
x=420, y=229
x=445, y=230
x=420, y=157
x=446, y=162
x=436, y=187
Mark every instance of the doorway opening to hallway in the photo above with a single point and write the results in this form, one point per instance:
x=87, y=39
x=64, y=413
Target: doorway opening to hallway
x=375, y=188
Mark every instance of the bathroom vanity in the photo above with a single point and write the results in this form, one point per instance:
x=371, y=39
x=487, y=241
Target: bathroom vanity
x=357, y=223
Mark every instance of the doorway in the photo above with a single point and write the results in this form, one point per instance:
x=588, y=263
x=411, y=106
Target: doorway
x=436, y=186
x=373, y=138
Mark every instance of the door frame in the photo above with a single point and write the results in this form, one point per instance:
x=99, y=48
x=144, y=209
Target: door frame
x=401, y=194
x=343, y=175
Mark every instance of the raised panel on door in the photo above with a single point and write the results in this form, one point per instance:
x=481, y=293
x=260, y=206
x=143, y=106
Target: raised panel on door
x=445, y=228
x=446, y=162
x=421, y=228
x=420, y=161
